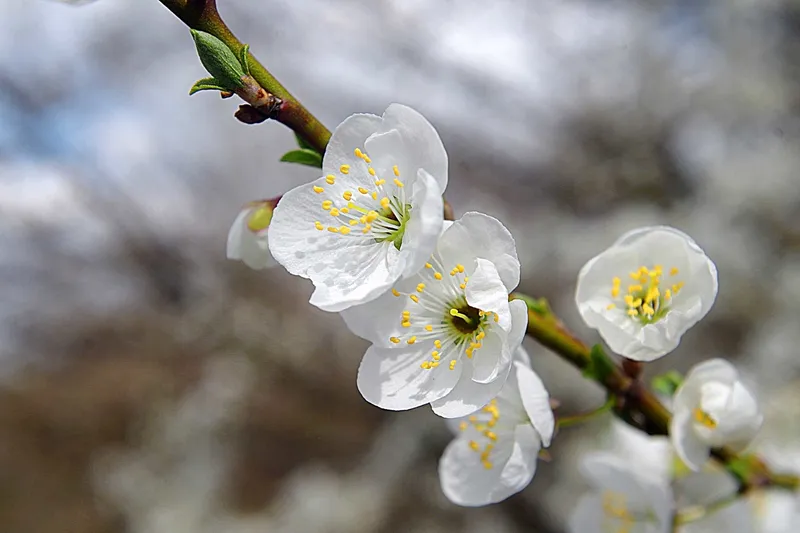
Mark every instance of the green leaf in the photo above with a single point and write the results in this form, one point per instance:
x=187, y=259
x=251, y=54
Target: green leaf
x=206, y=84
x=303, y=157
x=243, y=58
x=668, y=383
x=302, y=143
x=218, y=60
x=600, y=366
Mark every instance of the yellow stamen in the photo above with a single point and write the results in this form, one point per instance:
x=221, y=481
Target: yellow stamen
x=347, y=195
x=344, y=230
x=333, y=230
x=399, y=183
x=327, y=204
x=429, y=328
x=420, y=287
x=394, y=291
x=353, y=222
x=609, y=307
x=452, y=364
x=412, y=340
x=704, y=418
x=414, y=298
x=396, y=171
x=378, y=183
x=437, y=343
x=362, y=190
x=318, y=189
x=437, y=275
x=330, y=179
x=319, y=225
x=673, y=271
x=395, y=340
x=371, y=171
x=385, y=203
x=344, y=169
x=334, y=212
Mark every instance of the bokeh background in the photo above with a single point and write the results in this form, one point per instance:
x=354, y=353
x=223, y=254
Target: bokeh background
x=149, y=385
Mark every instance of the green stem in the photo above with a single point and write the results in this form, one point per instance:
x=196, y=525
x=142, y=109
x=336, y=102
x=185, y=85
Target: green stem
x=549, y=331
x=203, y=15
x=566, y=421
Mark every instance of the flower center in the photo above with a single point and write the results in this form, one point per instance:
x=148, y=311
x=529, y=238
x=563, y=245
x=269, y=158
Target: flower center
x=483, y=422
x=644, y=299
x=618, y=516
x=438, y=314
x=703, y=418
x=378, y=213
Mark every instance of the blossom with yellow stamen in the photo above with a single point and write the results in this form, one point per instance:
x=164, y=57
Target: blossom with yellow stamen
x=248, y=237
x=395, y=224
x=496, y=448
x=464, y=328
x=622, y=500
x=645, y=291
x=712, y=408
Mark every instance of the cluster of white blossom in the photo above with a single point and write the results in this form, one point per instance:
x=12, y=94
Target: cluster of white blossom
x=432, y=296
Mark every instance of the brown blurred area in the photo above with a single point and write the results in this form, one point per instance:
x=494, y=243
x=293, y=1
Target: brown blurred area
x=149, y=385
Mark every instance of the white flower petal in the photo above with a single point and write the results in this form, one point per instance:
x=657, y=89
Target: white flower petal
x=424, y=147
x=377, y=321
x=349, y=135
x=486, y=291
x=468, y=395
x=386, y=150
x=492, y=360
x=521, y=355
x=691, y=450
x=478, y=235
x=589, y=516
x=464, y=479
x=536, y=401
x=391, y=378
x=519, y=324
x=742, y=418
x=252, y=248
x=425, y=225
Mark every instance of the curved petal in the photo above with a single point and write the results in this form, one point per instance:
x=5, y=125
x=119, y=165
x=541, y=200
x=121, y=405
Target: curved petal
x=468, y=396
x=519, y=325
x=589, y=516
x=536, y=401
x=478, y=235
x=691, y=450
x=391, y=378
x=251, y=248
x=378, y=319
x=352, y=133
x=464, y=479
x=491, y=359
x=487, y=292
x=521, y=466
x=425, y=225
x=423, y=144
x=521, y=356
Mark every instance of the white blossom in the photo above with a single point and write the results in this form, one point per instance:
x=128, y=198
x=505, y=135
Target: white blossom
x=622, y=499
x=645, y=291
x=712, y=408
x=373, y=218
x=445, y=336
x=248, y=236
x=494, y=455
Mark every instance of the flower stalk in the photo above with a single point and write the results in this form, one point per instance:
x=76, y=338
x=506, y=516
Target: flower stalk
x=203, y=15
x=546, y=328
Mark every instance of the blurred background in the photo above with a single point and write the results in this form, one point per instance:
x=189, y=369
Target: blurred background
x=149, y=385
